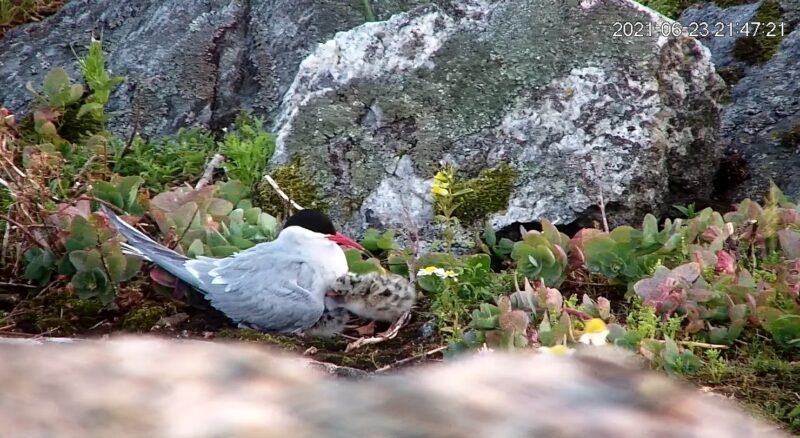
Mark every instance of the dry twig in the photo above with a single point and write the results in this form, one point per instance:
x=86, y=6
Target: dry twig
x=391, y=333
x=208, y=173
x=412, y=358
x=281, y=193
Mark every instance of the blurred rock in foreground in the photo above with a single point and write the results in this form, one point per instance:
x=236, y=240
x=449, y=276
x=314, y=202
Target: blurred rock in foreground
x=146, y=387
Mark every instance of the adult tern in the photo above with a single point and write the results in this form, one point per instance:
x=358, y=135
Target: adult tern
x=278, y=286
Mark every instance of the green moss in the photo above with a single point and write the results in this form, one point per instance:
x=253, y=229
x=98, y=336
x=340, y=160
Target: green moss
x=293, y=179
x=491, y=190
x=759, y=48
x=669, y=8
x=144, y=317
x=249, y=335
x=59, y=314
x=790, y=138
x=729, y=3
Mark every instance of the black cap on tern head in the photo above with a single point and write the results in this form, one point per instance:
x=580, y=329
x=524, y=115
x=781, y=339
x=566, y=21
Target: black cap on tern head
x=313, y=220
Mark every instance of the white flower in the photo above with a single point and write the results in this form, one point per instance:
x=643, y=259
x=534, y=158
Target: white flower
x=558, y=350
x=432, y=270
x=595, y=332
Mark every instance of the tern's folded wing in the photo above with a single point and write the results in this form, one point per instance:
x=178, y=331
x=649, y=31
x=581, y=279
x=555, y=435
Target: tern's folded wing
x=271, y=291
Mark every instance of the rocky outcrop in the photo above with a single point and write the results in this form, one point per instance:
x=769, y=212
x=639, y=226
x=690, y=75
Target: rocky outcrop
x=760, y=125
x=544, y=87
x=146, y=387
x=187, y=62
x=553, y=97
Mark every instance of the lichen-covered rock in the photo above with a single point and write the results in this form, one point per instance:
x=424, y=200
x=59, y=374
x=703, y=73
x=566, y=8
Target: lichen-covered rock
x=761, y=123
x=127, y=388
x=545, y=87
x=187, y=62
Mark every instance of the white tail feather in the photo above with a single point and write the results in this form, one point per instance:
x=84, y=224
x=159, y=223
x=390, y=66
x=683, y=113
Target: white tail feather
x=129, y=250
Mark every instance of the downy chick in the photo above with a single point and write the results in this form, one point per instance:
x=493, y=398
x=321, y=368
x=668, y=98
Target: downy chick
x=375, y=296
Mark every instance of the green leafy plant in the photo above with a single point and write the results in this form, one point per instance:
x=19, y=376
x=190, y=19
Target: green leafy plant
x=165, y=162
x=97, y=77
x=445, y=201
x=124, y=194
x=498, y=248
x=688, y=211
x=86, y=251
x=247, y=148
x=216, y=220
x=543, y=255
x=499, y=326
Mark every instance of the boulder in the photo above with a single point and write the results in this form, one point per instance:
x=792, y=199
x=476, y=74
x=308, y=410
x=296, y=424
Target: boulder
x=187, y=62
x=760, y=124
x=547, y=97
x=540, y=105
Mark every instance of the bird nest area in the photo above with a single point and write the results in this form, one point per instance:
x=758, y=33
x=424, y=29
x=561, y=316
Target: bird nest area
x=54, y=311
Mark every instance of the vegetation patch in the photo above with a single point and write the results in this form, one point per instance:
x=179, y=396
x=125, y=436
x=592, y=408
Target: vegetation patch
x=760, y=47
x=669, y=8
x=488, y=193
x=16, y=12
x=294, y=180
x=142, y=318
x=791, y=138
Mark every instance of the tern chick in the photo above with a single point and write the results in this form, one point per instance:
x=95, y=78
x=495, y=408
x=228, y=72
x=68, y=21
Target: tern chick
x=380, y=297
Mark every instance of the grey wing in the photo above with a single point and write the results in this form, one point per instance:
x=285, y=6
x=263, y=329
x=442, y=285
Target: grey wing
x=261, y=289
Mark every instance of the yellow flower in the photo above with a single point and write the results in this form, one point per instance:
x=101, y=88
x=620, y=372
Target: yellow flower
x=441, y=191
x=558, y=350
x=450, y=274
x=595, y=332
x=442, y=177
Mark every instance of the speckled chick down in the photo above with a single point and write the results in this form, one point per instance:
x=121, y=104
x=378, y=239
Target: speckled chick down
x=381, y=297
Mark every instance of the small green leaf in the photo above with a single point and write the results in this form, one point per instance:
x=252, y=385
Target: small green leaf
x=195, y=249
x=75, y=93
x=107, y=192
x=224, y=250
x=386, y=241
x=431, y=283
x=252, y=215
x=92, y=107
x=219, y=207
x=489, y=235
x=39, y=265
x=128, y=189
x=55, y=81
x=359, y=266
x=81, y=234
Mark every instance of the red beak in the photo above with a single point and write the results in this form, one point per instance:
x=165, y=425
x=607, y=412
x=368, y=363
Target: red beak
x=345, y=241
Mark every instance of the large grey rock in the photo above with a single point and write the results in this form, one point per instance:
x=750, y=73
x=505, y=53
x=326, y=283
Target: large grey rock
x=543, y=86
x=188, y=62
x=764, y=104
x=148, y=387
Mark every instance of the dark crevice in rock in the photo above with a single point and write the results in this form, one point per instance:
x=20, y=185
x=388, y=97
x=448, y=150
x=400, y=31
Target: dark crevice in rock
x=732, y=172
x=225, y=99
x=591, y=217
